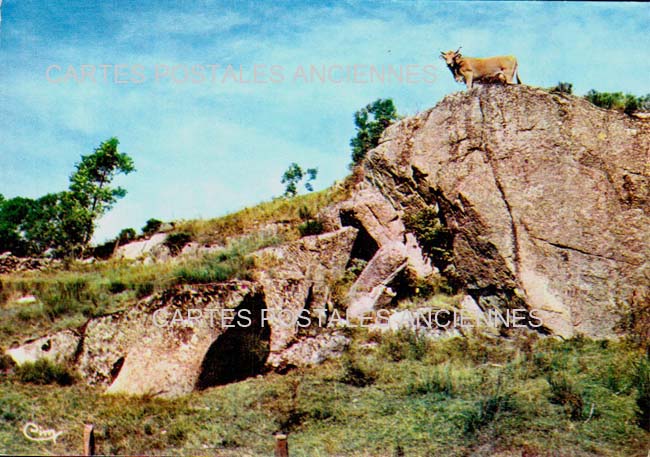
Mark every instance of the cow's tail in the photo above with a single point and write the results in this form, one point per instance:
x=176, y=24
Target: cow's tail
x=517, y=74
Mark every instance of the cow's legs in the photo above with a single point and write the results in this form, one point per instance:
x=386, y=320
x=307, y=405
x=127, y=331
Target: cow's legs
x=468, y=79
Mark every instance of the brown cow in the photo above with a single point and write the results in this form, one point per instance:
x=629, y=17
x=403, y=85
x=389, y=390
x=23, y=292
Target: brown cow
x=469, y=69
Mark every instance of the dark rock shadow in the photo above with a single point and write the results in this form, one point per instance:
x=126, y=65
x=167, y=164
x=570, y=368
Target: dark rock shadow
x=241, y=351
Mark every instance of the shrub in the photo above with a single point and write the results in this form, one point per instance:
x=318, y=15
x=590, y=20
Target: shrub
x=355, y=374
x=439, y=381
x=177, y=241
x=144, y=289
x=126, y=235
x=433, y=235
x=44, y=372
x=151, y=226
x=635, y=318
x=626, y=103
x=311, y=227
x=214, y=268
x=563, y=88
x=405, y=344
x=305, y=213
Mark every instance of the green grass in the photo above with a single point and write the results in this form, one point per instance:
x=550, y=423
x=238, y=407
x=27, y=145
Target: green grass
x=67, y=298
x=461, y=394
x=287, y=211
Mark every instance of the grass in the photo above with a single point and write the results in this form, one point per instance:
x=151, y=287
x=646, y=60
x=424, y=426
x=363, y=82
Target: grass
x=457, y=397
x=289, y=212
x=67, y=298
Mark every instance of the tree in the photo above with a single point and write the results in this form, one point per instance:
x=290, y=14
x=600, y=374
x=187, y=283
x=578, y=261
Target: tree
x=65, y=221
x=371, y=121
x=90, y=184
x=292, y=177
x=13, y=213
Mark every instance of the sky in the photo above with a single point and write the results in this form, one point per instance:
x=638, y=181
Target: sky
x=214, y=99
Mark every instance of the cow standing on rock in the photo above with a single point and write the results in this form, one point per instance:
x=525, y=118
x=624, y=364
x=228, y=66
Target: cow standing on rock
x=470, y=69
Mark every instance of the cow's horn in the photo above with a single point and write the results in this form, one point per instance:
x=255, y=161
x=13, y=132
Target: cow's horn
x=458, y=50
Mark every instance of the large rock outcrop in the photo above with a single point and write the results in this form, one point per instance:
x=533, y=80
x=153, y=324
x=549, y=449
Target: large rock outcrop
x=547, y=198
x=196, y=336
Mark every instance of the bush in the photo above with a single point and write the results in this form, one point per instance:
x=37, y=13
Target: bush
x=126, y=235
x=405, y=344
x=356, y=374
x=563, y=88
x=635, y=318
x=618, y=101
x=44, y=372
x=215, y=268
x=439, y=381
x=432, y=234
x=151, y=226
x=177, y=241
x=311, y=227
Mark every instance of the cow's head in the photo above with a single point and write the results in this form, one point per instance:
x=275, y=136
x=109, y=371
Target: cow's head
x=451, y=57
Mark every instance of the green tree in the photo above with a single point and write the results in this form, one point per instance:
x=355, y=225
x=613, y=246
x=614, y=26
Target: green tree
x=294, y=175
x=13, y=213
x=65, y=221
x=90, y=184
x=370, y=123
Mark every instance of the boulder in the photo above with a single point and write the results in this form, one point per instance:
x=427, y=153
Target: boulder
x=309, y=351
x=295, y=276
x=60, y=347
x=547, y=198
x=149, y=250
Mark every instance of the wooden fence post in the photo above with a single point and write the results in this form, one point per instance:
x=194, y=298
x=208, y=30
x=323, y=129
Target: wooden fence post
x=281, y=446
x=89, y=440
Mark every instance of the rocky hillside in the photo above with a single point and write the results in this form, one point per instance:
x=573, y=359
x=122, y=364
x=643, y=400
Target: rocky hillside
x=538, y=200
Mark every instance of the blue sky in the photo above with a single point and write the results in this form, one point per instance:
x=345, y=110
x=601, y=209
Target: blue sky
x=206, y=148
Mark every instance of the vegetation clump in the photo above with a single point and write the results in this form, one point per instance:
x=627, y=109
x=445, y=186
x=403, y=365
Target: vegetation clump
x=618, y=101
x=43, y=372
x=370, y=123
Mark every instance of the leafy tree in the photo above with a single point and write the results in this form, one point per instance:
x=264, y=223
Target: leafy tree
x=294, y=175
x=370, y=122
x=13, y=213
x=90, y=183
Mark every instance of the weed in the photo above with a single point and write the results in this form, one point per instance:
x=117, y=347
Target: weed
x=44, y=372
x=355, y=373
x=564, y=393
